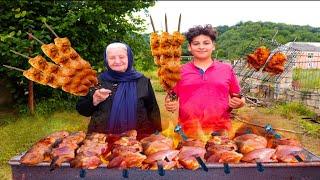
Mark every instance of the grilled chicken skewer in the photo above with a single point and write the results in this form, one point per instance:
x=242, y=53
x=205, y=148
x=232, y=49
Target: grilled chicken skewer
x=65, y=151
x=41, y=150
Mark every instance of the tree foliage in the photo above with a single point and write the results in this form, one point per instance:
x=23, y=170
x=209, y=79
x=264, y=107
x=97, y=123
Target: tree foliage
x=233, y=40
x=90, y=26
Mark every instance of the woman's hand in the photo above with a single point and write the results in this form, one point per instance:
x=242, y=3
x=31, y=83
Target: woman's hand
x=100, y=95
x=171, y=106
x=235, y=101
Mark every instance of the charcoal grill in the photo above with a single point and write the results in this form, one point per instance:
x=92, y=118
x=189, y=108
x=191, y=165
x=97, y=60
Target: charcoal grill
x=303, y=170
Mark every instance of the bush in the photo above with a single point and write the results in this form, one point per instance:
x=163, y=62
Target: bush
x=48, y=106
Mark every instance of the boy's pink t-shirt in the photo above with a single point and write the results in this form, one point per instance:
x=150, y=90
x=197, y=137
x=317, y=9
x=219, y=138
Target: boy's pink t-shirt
x=204, y=96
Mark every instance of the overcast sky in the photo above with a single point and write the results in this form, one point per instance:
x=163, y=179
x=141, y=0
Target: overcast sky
x=230, y=13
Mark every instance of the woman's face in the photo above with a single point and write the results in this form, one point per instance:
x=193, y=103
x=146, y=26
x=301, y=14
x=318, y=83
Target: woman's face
x=117, y=59
x=201, y=47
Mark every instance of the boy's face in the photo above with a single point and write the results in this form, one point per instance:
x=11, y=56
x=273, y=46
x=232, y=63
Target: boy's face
x=201, y=47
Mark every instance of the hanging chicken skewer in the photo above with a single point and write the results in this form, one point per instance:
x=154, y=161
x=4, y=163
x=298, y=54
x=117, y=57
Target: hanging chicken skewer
x=260, y=60
x=70, y=72
x=67, y=84
x=166, y=50
x=61, y=51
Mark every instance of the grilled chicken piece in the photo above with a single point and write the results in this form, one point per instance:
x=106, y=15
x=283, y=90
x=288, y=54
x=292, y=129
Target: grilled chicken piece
x=126, y=144
x=126, y=151
x=224, y=156
x=127, y=160
x=63, y=44
x=65, y=151
x=168, y=158
x=85, y=161
x=40, y=63
x=89, y=154
x=155, y=143
x=260, y=155
x=249, y=142
x=92, y=147
x=96, y=137
x=162, y=155
x=222, y=142
x=284, y=141
x=40, y=151
x=287, y=153
x=222, y=150
x=156, y=146
x=258, y=58
x=276, y=63
x=188, y=154
x=165, y=164
x=191, y=142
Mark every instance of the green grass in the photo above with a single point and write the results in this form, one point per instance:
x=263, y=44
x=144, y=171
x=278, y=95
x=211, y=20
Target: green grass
x=290, y=110
x=293, y=112
x=19, y=134
x=307, y=78
x=154, y=80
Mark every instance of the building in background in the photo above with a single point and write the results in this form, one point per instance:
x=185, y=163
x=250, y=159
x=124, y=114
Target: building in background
x=308, y=56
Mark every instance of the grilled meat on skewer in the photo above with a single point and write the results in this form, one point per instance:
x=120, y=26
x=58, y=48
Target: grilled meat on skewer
x=65, y=151
x=260, y=155
x=90, y=153
x=40, y=151
x=223, y=150
x=287, y=153
x=250, y=142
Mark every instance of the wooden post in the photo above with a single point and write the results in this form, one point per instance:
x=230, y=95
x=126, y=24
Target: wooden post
x=30, y=86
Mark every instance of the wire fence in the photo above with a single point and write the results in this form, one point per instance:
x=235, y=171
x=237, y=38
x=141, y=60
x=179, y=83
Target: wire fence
x=301, y=73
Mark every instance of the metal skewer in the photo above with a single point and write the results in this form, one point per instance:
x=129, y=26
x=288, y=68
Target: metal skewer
x=42, y=43
x=166, y=22
x=50, y=29
x=154, y=29
x=14, y=68
x=178, y=129
x=179, y=23
x=17, y=53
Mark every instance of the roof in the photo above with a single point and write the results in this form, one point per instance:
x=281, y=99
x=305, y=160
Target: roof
x=305, y=46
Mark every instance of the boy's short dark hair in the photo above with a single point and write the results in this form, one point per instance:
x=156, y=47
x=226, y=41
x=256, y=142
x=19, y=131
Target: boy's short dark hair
x=207, y=30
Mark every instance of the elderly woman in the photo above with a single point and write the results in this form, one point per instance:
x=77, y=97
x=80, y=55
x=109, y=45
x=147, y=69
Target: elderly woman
x=125, y=100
